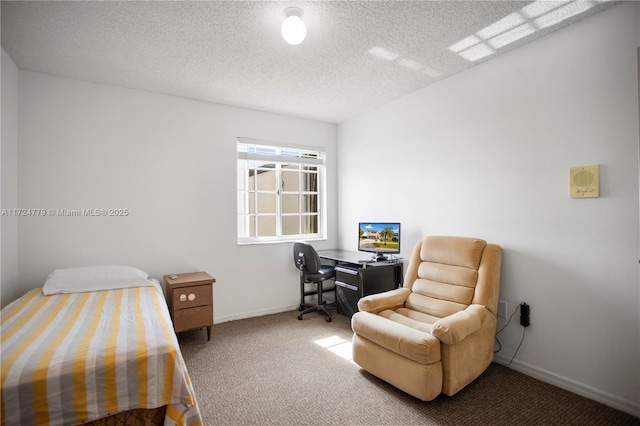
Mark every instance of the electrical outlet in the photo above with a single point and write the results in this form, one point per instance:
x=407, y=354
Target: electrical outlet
x=525, y=315
x=502, y=309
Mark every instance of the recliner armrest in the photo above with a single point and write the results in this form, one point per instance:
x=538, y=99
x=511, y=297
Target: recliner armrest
x=455, y=328
x=385, y=300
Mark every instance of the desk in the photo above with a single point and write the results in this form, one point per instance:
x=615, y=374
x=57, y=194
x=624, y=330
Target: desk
x=357, y=276
x=345, y=256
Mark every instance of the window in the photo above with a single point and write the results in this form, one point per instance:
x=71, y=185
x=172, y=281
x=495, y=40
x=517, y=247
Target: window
x=280, y=191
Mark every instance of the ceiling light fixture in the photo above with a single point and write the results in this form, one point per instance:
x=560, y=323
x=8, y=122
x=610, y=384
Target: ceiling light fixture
x=293, y=29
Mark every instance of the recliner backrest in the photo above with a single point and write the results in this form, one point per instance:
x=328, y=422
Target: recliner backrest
x=304, y=252
x=443, y=273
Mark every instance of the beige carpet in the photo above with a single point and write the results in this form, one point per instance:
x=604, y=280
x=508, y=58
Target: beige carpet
x=269, y=371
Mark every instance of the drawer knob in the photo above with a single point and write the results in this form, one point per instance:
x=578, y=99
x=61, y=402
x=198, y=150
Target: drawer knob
x=192, y=297
x=183, y=297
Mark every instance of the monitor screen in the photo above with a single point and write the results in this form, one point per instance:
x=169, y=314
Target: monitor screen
x=379, y=237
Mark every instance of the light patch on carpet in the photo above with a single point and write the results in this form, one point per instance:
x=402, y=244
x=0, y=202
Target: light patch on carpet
x=337, y=345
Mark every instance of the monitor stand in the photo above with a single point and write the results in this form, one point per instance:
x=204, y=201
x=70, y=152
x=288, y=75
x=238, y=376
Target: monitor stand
x=379, y=257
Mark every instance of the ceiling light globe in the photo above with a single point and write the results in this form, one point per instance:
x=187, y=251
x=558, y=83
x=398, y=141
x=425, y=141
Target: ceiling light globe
x=294, y=30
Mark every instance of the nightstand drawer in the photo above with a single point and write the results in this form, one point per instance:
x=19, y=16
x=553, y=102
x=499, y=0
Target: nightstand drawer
x=191, y=297
x=188, y=319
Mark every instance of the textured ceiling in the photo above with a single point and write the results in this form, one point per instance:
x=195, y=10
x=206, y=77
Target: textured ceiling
x=357, y=55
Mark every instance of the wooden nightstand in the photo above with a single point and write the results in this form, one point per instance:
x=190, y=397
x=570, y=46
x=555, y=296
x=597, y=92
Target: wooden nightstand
x=190, y=300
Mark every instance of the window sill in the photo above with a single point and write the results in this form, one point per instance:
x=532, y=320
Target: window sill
x=252, y=241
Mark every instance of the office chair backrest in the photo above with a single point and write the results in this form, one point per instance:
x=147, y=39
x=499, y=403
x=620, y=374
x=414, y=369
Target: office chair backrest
x=305, y=254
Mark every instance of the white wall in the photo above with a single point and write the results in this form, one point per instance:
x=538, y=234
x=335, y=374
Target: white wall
x=9, y=286
x=486, y=153
x=172, y=163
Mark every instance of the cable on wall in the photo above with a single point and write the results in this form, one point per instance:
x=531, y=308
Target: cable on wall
x=505, y=326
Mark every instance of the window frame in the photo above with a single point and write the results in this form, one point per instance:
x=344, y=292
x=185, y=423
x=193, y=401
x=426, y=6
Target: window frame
x=277, y=155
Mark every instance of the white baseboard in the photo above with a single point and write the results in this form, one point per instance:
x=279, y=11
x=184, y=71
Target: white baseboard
x=571, y=385
x=252, y=314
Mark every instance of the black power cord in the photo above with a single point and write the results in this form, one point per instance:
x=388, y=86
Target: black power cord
x=505, y=326
x=524, y=329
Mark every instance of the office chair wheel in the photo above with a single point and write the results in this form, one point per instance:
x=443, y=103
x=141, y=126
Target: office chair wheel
x=328, y=319
x=300, y=317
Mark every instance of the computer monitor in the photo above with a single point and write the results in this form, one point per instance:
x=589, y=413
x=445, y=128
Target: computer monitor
x=380, y=238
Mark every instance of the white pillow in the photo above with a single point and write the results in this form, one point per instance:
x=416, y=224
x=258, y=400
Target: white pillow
x=94, y=278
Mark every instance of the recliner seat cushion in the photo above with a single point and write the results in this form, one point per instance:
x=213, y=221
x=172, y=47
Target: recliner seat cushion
x=418, y=346
x=413, y=319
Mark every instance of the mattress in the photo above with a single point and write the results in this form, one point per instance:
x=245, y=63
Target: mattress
x=73, y=358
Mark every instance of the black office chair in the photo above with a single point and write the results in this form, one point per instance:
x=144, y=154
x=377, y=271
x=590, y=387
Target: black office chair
x=312, y=271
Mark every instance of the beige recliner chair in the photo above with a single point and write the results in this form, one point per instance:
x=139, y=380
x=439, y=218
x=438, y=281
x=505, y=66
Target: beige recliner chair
x=436, y=334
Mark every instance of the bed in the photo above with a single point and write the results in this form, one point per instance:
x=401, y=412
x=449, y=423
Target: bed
x=93, y=354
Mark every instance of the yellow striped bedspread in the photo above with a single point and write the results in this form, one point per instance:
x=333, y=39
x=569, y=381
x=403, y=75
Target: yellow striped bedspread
x=72, y=358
